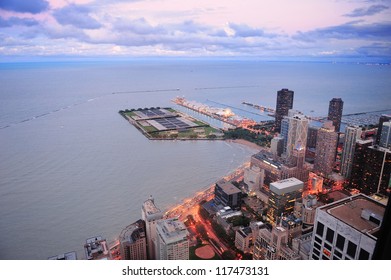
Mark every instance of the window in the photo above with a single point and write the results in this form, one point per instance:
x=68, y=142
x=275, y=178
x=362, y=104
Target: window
x=351, y=249
x=337, y=253
x=319, y=229
x=330, y=235
x=316, y=252
x=336, y=258
x=340, y=242
x=317, y=246
x=317, y=239
x=364, y=255
x=327, y=246
x=315, y=257
x=324, y=257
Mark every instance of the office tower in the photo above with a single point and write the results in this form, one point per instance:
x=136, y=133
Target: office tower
x=352, y=134
x=347, y=229
x=172, y=240
x=371, y=169
x=244, y=239
x=326, y=144
x=283, y=195
x=305, y=209
x=312, y=134
x=151, y=214
x=335, y=112
x=133, y=242
x=382, y=119
x=227, y=194
x=385, y=135
x=277, y=147
x=294, y=129
x=283, y=104
x=96, y=249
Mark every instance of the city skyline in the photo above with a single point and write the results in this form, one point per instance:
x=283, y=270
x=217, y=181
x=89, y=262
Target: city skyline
x=355, y=31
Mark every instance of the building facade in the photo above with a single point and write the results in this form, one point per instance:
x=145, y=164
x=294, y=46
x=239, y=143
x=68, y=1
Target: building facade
x=347, y=229
x=283, y=195
x=227, y=194
x=133, y=242
x=283, y=105
x=382, y=119
x=96, y=249
x=172, y=241
x=385, y=136
x=335, y=112
x=151, y=214
x=352, y=134
x=326, y=144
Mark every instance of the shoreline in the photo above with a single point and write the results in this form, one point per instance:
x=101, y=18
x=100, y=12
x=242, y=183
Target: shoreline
x=246, y=143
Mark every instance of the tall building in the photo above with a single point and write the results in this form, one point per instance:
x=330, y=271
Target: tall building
x=151, y=214
x=227, y=194
x=385, y=136
x=172, y=240
x=283, y=104
x=96, y=249
x=326, y=144
x=347, y=229
x=335, y=112
x=312, y=134
x=371, y=169
x=352, y=134
x=382, y=119
x=294, y=129
x=133, y=242
x=283, y=195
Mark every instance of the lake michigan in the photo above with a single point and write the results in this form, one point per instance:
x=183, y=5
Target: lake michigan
x=72, y=167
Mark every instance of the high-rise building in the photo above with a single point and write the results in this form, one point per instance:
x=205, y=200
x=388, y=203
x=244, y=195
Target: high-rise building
x=347, y=229
x=382, y=119
x=385, y=136
x=283, y=195
x=172, y=240
x=326, y=144
x=312, y=134
x=151, y=214
x=227, y=194
x=277, y=146
x=96, y=249
x=133, y=242
x=294, y=129
x=335, y=112
x=352, y=134
x=371, y=169
x=283, y=104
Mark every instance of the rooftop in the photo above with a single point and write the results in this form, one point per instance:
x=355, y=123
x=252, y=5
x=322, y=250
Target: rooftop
x=65, y=256
x=360, y=212
x=286, y=186
x=150, y=208
x=133, y=232
x=96, y=248
x=172, y=230
x=228, y=187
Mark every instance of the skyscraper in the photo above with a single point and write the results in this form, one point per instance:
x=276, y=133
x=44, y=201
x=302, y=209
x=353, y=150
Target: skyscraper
x=283, y=104
x=294, y=129
x=372, y=173
x=382, y=119
x=151, y=214
x=347, y=229
x=326, y=144
x=172, y=240
x=352, y=134
x=385, y=136
x=335, y=112
x=133, y=244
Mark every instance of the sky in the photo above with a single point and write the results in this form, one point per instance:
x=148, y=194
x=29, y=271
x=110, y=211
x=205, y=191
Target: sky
x=354, y=30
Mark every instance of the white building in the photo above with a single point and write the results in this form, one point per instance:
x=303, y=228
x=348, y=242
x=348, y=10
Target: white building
x=253, y=177
x=347, y=229
x=352, y=134
x=151, y=214
x=172, y=241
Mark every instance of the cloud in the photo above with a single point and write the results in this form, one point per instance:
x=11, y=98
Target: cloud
x=243, y=30
x=372, y=10
x=17, y=21
x=77, y=16
x=24, y=6
x=352, y=30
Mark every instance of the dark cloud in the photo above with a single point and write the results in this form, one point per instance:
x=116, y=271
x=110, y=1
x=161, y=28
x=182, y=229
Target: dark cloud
x=372, y=10
x=353, y=30
x=77, y=16
x=17, y=21
x=24, y=6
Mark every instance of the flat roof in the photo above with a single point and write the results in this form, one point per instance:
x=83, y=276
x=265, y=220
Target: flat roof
x=352, y=211
x=286, y=186
x=172, y=230
x=66, y=256
x=150, y=208
x=228, y=187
